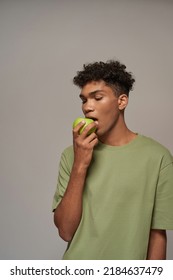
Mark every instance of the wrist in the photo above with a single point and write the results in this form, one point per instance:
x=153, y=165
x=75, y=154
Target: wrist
x=80, y=168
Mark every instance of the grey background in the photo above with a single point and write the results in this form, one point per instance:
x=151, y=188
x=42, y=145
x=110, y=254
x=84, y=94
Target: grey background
x=43, y=44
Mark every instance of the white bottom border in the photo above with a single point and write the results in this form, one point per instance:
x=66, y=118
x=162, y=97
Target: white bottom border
x=88, y=269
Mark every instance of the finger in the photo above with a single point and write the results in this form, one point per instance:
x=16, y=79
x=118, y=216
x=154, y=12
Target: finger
x=77, y=128
x=91, y=137
x=94, y=142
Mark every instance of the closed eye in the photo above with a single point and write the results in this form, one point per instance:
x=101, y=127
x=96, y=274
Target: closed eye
x=98, y=97
x=83, y=101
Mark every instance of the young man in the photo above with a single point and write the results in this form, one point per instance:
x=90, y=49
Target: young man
x=114, y=197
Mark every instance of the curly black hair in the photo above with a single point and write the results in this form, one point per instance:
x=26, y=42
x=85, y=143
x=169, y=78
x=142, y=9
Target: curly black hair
x=112, y=72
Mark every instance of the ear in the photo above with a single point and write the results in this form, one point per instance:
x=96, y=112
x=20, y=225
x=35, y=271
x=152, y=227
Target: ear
x=122, y=101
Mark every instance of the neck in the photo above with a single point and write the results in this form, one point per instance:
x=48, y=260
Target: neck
x=119, y=136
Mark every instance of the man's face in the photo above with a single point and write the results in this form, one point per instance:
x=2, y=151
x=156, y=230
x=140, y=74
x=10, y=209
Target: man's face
x=100, y=103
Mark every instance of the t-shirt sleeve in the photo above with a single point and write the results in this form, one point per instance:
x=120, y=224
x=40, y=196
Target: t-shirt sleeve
x=163, y=208
x=62, y=182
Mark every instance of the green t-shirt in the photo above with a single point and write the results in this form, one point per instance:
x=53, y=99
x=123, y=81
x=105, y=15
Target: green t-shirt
x=128, y=191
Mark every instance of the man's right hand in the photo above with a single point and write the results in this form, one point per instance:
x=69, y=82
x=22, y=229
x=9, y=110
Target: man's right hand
x=84, y=144
x=68, y=214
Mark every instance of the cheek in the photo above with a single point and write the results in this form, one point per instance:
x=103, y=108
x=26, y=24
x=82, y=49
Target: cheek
x=109, y=116
x=108, y=119
x=110, y=111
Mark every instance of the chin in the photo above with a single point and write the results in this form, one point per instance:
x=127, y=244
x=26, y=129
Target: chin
x=100, y=133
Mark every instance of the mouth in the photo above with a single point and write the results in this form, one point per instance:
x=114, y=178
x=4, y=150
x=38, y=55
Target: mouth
x=94, y=119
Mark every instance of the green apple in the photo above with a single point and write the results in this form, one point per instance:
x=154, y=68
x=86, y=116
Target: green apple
x=87, y=122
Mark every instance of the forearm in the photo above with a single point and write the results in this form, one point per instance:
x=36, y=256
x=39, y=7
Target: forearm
x=157, y=245
x=68, y=214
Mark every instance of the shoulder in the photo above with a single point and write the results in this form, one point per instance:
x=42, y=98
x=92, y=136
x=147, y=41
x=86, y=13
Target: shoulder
x=150, y=142
x=68, y=150
x=155, y=148
x=68, y=154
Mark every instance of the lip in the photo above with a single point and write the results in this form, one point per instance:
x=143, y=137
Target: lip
x=90, y=117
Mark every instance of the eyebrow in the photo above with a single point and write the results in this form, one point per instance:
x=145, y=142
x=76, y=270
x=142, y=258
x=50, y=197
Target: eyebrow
x=92, y=93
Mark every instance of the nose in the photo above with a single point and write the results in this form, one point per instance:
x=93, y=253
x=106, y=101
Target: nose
x=88, y=107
